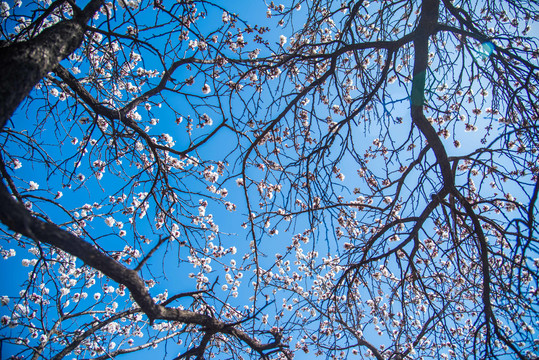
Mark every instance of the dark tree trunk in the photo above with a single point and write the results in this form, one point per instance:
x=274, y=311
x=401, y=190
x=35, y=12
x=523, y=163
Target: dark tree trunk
x=25, y=63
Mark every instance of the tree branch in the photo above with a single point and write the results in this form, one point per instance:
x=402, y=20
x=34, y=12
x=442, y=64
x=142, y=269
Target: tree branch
x=25, y=63
x=15, y=216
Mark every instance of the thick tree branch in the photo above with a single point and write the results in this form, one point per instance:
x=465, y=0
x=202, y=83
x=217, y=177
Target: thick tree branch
x=15, y=216
x=427, y=24
x=25, y=63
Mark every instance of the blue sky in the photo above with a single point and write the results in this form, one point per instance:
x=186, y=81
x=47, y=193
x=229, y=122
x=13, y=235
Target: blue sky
x=93, y=190
x=169, y=262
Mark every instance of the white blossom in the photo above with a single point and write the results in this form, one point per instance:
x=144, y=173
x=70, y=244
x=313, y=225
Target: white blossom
x=33, y=186
x=225, y=17
x=206, y=89
x=4, y=9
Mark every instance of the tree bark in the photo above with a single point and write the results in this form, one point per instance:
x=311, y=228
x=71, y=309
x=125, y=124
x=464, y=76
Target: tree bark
x=25, y=63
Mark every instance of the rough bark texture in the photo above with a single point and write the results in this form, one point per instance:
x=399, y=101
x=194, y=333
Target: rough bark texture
x=25, y=63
